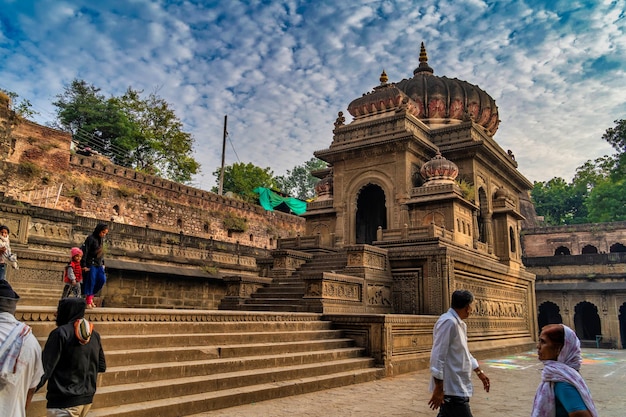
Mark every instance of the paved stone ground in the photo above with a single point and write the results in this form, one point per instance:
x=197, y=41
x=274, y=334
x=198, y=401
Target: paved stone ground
x=514, y=380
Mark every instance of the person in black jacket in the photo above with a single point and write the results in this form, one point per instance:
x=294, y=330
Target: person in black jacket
x=93, y=263
x=72, y=359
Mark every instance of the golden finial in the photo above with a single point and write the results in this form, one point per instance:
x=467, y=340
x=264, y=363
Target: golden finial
x=423, y=67
x=383, y=78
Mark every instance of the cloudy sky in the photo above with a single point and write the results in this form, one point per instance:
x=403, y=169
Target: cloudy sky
x=281, y=70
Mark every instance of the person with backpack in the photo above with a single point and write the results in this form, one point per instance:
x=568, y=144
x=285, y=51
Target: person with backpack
x=93, y=263
x=73, y=274
x=72, y=358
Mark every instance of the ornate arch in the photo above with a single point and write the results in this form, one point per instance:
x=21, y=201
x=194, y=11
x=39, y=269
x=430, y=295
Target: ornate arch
x=353, y=191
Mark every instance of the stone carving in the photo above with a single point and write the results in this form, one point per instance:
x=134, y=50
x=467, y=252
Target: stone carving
x=379, y=295
x=341, y=291
x=340, y=121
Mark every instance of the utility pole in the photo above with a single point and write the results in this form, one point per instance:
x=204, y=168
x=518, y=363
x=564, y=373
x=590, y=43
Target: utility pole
x=221, y=187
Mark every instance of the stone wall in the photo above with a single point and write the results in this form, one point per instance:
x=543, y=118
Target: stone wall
x=544, y=241
x=581, y=279
x=37, y=167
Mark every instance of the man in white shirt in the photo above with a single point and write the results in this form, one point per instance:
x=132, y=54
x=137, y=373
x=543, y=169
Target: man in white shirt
x=451, y=363
x=20, y=357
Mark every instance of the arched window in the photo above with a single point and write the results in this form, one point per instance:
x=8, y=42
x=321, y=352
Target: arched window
x=587, y=321
x=589, y=249
x=562, y=250
x=549, y=313
x=617, y=247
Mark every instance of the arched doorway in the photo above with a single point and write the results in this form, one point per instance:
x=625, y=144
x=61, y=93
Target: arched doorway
x=622, y=325
x=371, y=212
x=587, y=321
x=617, y=247
x=549, y=313
x=561, y=250
x=589, y=249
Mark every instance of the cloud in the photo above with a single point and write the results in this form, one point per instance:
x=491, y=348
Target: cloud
x=281, y=70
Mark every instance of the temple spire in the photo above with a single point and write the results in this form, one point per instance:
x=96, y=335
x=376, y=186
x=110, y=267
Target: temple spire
x=423, y=67
x=383, y=78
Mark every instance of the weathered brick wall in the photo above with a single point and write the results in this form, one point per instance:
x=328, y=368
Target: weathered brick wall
x=37, y=167
x=543, y=241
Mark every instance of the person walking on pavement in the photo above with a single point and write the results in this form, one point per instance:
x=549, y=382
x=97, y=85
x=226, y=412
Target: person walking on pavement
x=20, y=357
x=562, y=391
x=451, y=363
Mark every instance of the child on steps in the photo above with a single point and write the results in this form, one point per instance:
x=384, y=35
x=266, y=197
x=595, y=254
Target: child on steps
x=73, y=275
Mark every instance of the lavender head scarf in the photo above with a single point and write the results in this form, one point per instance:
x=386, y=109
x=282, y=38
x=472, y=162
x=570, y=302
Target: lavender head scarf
x=564, y=369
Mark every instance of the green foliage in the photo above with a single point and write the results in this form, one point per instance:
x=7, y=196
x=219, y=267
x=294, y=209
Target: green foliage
x=29, y=169
x=607, y=201
x=299, y=182
x=23, y=108
x=241, y=179
x=158, y=145
x=135, y=132
x=125, y=191
x=617, y=136
x=597, y=192
x=552, y=200
x=234, y=223
x=467, y=189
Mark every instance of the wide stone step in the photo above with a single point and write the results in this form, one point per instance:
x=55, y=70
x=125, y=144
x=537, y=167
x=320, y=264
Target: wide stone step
x=274, y=301
x=174, y=387
x=274, y=307
x=195, y=405
x=279, y=289
x=180, y=362
x=43, y=328
x=212, y=339
x=125, y=357
x=133, y=373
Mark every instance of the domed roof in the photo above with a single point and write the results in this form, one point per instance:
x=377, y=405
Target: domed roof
x=384, y=97
x=443, y=98
x=439, y=170
x=435, y=100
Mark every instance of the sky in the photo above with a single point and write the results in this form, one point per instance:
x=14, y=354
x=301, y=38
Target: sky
x=282, y=70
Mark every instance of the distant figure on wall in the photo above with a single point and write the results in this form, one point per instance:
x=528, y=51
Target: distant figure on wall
x=6, y=256
x=93, y=263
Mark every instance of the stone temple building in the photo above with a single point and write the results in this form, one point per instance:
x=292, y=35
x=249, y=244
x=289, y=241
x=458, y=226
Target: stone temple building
x=422, y=197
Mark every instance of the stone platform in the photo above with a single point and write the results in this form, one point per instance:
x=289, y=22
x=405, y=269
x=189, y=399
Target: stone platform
x=514, y=380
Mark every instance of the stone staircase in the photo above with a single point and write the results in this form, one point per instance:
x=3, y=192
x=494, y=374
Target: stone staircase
x=285, y=293
x=184, y=362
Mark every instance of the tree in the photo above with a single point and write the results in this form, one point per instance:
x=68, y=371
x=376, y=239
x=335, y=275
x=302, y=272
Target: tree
x=617, y=136
x=143, y=134
x=607, y=201
x=299, y=182
x=158, y=145
x=241, y=179
x=553, y=200
x=23, y=108
x=597, y=192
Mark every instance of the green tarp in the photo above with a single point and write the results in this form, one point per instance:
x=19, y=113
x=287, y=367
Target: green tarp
x=269, y=200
